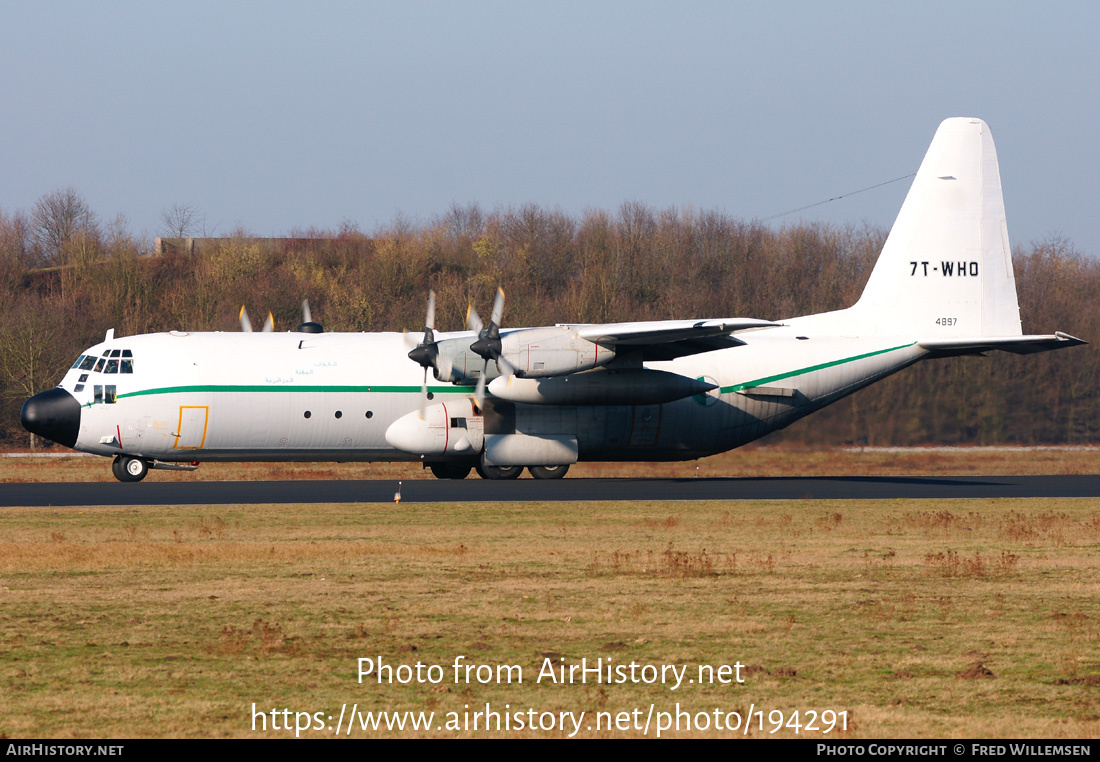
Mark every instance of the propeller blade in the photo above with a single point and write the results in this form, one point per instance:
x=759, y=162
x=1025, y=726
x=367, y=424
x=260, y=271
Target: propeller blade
x=429, y=321
x=498, y=308
x=246, y=324
x=479, y=390
x=424, y=394
x=445, y=366
x=410, y=342
x=508, y=367
x=472, y=320
x=307, y=317
x=269, y=324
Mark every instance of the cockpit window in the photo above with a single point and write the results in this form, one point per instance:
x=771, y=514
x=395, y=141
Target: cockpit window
x=120, y=361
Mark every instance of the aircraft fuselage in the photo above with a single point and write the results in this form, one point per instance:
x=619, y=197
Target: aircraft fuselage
x=324, y=397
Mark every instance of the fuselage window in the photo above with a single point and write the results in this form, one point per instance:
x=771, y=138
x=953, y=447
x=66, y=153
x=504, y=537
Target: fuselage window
x=99, y=365
x=97, y=394
x=79, y=387
x=112, y=366
x=109, y=394
x=87, y=363
x=83, y=377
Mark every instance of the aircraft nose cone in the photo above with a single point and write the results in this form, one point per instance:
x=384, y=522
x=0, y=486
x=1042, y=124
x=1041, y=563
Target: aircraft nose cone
x=54, y=415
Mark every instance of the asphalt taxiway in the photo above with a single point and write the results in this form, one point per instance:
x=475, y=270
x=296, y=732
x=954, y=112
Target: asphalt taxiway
x=152, y=492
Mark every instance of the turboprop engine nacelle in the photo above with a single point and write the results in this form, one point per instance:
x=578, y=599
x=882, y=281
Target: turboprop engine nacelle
x=553, y=351
x=447, y=428
x=629, y=386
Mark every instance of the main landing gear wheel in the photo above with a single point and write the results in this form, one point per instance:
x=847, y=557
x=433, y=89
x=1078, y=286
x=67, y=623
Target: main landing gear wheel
x=499, y=472
x=450, y=470
x=548, y=472
x=127, y=469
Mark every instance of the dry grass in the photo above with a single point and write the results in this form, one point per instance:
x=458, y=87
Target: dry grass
x=918, y=618
x=751, y=460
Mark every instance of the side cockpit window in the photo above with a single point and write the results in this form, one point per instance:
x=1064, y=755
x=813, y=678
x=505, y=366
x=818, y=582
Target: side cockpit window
x=87, y=362
x=104, y=394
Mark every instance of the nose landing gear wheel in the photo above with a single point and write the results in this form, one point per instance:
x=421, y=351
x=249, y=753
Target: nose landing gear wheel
x=548, y=472
x=499, y=472
x=128, y=469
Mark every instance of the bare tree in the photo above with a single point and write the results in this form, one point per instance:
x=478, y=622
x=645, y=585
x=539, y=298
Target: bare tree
x=181, y=220
x=33, y=355
x=14, y=250
x=60, y=219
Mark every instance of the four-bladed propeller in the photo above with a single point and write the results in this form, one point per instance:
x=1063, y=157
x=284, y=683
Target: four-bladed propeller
x=426, y=354
x=488, y=344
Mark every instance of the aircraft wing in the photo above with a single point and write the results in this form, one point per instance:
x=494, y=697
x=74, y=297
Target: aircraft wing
x=1021, y=345
x=668, y=339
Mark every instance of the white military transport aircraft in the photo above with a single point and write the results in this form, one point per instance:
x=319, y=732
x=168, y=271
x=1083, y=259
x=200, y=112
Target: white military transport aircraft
x=666, y=390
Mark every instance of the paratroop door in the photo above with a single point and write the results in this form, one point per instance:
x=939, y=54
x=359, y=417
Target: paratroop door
x=191, y=433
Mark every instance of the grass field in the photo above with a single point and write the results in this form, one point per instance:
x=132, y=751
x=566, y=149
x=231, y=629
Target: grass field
x=751, y=460
x=915, y=618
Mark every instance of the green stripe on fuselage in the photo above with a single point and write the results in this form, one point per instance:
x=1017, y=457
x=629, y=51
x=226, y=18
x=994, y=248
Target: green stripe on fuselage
x=371, y=389
x=810, y=369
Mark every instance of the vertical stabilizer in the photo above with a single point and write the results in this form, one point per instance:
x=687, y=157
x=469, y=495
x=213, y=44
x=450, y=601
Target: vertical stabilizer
x=946, y=267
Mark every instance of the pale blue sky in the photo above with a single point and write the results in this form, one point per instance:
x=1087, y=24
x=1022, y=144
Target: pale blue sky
x=274, y=115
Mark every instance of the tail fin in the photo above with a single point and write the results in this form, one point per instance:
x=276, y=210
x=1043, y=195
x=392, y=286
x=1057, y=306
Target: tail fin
x=946, y=268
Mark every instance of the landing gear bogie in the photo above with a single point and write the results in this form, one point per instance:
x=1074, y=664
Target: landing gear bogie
x=498, y=473
x=548, y=472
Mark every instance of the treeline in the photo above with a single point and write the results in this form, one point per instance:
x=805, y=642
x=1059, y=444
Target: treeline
x=64, y=285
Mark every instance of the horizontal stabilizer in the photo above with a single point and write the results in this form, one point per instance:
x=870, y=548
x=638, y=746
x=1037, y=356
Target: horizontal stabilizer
x=1021, y=345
